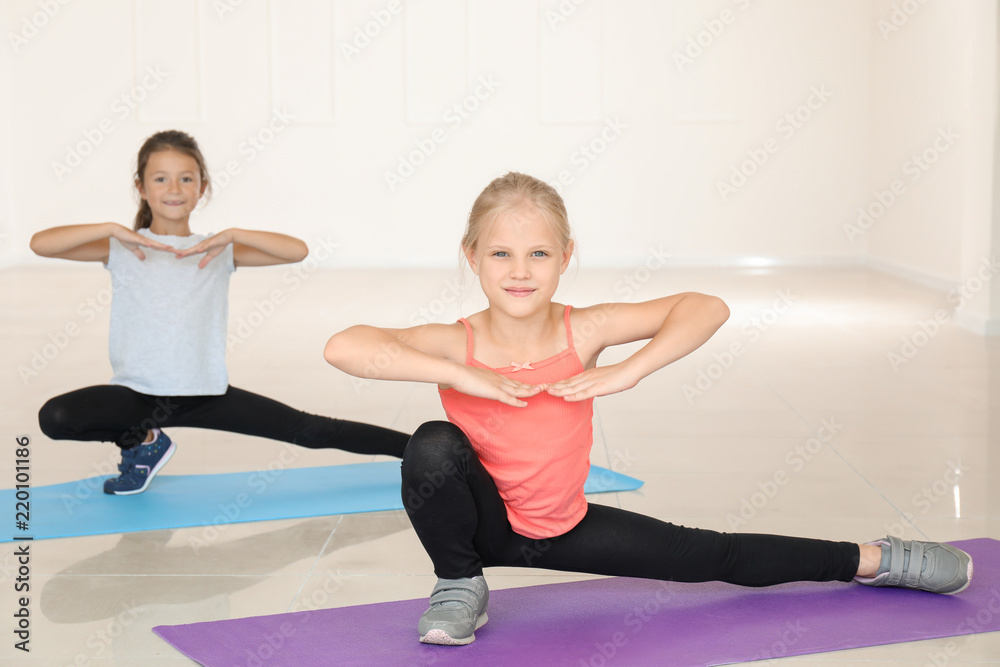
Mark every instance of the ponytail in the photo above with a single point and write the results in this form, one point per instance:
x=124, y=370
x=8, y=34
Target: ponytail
x=143, y=217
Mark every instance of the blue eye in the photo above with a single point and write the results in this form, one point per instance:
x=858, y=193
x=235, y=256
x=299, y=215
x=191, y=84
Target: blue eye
x=500, y=253
x=539, y=253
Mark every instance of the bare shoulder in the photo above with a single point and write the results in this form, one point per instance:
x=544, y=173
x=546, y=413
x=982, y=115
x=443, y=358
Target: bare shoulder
x=447, y=341
x=603, y=325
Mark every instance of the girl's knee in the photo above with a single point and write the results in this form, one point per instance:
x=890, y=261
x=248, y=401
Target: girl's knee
x=436, y=444
x=53, y=419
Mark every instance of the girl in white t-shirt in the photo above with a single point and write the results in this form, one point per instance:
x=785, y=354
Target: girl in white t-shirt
x=168, y=328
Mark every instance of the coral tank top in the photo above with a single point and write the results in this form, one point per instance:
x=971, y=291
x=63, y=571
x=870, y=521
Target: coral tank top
x=538, y=455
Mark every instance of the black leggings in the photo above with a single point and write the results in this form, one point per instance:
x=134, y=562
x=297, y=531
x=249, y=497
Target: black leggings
x=113, y=413
x=461, y=520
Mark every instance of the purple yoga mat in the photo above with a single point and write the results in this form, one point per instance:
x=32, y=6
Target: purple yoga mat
x=613, y=621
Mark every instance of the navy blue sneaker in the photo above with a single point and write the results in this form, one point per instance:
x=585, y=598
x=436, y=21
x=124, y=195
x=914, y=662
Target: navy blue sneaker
x=139, y=465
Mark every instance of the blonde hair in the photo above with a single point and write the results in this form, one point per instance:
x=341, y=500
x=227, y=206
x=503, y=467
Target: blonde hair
x=512, y=192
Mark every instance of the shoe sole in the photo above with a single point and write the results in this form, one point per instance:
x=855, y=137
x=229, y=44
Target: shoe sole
x=442, y=638
x=152, y=473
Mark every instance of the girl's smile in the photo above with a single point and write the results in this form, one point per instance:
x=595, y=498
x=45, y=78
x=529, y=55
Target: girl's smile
x=172, y=186
x=519, y=261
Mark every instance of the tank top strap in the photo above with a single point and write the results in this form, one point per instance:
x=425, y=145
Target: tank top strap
x=468, y=338
x=569, y=330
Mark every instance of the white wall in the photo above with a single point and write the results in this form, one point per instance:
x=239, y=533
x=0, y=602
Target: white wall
x=934, y=115
x=680, y=130
x=562, y=83
x=933, y=82
x=8, y=242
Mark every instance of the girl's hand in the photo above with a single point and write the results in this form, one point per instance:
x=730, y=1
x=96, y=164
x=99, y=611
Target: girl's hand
x=485, y=383
x=212, y=247
x=599, y=381
x=136, y=242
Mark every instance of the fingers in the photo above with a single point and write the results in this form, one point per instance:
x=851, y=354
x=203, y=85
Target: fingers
x=193, y=250
x=510, y=400
x=137, y=251
x=570, y=385
x=150, y=243
x=580, y=396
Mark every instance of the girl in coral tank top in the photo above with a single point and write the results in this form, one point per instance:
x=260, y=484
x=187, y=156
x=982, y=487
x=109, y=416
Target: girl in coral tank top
x=501, y=482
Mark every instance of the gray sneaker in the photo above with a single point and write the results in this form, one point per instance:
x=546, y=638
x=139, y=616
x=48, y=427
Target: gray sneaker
x=458, y=609
x=926, y=566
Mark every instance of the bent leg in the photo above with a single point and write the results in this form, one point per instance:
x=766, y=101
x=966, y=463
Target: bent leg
x=110, y=413
x=240, y=411
x=452, y=501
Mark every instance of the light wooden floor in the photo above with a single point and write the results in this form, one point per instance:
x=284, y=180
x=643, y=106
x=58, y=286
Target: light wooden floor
x=814, y=345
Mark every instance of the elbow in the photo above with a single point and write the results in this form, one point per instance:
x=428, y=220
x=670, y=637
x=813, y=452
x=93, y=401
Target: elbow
x=333, y=352
x=721, y=309
x=338, y=349
x=301, y=252
x=714, y=308
x=36, y=246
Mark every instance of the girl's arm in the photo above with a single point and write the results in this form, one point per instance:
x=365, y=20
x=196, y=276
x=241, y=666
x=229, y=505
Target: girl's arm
x=420, y=354
x=89, y=243
x=676, y=326
x=250, y=248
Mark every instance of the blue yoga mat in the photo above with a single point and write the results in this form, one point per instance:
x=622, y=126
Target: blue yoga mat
x=180, y=501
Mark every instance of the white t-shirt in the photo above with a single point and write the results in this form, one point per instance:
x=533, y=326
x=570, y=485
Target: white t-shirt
x=169, y=319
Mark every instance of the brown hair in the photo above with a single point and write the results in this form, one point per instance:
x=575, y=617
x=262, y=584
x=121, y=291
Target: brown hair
x=509, y=193
x=168, y=140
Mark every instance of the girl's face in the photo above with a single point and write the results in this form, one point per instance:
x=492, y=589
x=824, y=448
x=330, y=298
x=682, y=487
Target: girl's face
x=172, y=185
x=519, y=260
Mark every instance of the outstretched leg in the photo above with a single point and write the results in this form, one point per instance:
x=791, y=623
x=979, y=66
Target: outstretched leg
x=240, y=411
